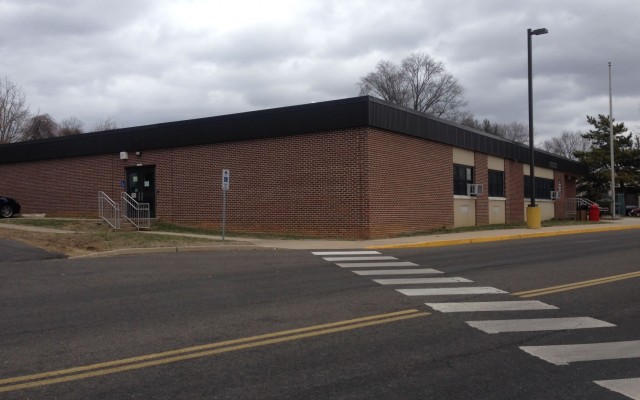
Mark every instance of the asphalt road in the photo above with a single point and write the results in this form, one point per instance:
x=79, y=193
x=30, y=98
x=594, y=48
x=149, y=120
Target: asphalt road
x=259, y=319
x=13, y=250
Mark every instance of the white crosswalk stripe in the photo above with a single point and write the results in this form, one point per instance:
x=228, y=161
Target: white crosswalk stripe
x=565, y=354
x=360, y=258
x=554, y=354
x=377, y=264
x=628, y=387
x=491, y=306
x=451, y=291
x=417, y=281
x=345, y=253
x=419, y=271
x=538, y=324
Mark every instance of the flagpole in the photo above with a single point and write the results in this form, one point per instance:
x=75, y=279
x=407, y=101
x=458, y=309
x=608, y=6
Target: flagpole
x=611, y=145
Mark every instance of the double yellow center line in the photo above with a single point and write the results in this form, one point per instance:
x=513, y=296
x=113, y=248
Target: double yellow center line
x=188, y=353
x=577, y=285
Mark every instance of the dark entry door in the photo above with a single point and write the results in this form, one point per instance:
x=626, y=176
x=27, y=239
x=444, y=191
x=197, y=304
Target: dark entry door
x=141, y=185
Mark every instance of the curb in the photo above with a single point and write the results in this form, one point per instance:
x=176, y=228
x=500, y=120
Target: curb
x=160, y=250
x=454, y=242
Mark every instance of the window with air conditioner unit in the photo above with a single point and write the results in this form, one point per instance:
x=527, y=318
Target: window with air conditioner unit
x=544, y=188
x=474, y=189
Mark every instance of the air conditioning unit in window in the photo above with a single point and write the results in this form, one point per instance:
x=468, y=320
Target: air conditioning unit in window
x=474, y=189
x=554, y=195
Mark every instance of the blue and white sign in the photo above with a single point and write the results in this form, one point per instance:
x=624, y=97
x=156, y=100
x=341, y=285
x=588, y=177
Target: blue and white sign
x=226, y=175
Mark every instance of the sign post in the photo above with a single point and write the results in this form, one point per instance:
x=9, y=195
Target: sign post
x=225, y=188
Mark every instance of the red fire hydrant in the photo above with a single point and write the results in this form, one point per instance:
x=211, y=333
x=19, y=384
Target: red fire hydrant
x=594, y=213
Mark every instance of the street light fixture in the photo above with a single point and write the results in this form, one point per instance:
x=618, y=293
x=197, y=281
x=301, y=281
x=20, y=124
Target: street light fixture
x=533, y=213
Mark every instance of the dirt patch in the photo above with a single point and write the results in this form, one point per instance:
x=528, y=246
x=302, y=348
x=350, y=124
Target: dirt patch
x=91, y=236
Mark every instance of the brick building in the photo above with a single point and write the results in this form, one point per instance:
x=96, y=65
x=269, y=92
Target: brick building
x=352, y=168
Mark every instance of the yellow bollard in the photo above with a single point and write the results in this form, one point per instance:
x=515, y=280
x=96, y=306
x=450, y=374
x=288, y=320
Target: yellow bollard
x=534, y=217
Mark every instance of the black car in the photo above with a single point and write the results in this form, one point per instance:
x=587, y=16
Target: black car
x=8, y=207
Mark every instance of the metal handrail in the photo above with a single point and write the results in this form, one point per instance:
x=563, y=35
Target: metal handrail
x=136, y=213
x=572, y=205
x=108, y=210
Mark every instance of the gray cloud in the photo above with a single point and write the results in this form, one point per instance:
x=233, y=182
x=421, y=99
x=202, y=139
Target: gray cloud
x=144, y=62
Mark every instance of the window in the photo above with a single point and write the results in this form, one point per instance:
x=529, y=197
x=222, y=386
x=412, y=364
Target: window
x=496, y=183
x=462, y=175
x=544, y=187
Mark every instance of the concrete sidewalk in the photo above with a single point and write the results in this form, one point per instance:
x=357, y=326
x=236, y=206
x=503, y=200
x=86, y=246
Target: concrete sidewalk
x=435, y=240
x=447, y=239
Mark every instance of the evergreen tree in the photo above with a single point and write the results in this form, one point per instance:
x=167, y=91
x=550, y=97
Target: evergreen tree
x=596, y=184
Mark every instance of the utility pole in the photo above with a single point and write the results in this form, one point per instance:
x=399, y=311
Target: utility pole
x=612, y=145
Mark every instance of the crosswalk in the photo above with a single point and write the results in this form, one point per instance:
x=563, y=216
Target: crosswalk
x=385, y=270
x=476, y=306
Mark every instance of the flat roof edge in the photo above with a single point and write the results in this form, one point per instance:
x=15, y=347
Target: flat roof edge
x=331, y=115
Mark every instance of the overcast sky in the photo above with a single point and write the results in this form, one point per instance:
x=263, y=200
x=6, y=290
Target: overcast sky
x=149, y=61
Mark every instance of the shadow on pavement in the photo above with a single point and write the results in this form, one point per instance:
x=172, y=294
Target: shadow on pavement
x=13, y=250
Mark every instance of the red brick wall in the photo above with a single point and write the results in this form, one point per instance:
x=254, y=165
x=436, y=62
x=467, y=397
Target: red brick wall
x=410, y=184
x=64, y=187
x=304, y=185
x=514, y=186
x=568, y=192
x=481, y=169
x=309, y=185
x=357, y=183
x=558, y=204
x=569, y=189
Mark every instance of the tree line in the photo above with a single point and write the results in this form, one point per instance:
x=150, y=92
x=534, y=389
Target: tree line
x=423, y=84
x=18, y=124
x=418, y=82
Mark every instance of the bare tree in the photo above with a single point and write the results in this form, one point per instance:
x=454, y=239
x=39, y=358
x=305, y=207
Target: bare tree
x=490, y=127
x=70, y=126
x=13, y=111
x=106, y=125
x=468, y=119
x=515, y=131
x=41, y=126
x=387, y=82
x=420, y=83
x=567, y=144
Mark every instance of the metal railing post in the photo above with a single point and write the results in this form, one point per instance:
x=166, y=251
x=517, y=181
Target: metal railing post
x=113, y=218
x=136, y=213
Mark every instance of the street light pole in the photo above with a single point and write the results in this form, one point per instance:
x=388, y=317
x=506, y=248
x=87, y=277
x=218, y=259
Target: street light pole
x=611, y=145
x=533, y=214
